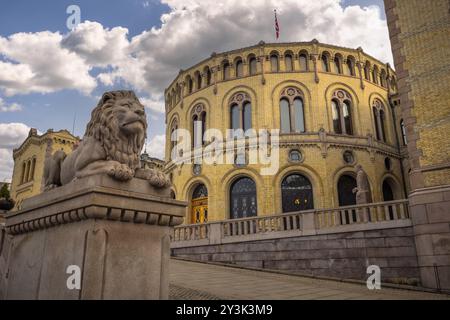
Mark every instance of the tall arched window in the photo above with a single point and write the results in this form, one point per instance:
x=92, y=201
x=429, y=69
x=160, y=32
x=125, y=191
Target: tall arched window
x=33, y=167
x=288, y=62
x=243, y=202
x=325, y=62
x=367, y=71
x=198, y=80
x=199, y=204
x=292, y=112
x=190, y=85
x=346, y=184
x=351, y=66
x=22, y=176
x=338, y=64
x=303, y=60
x=379, y=119
x=296, y=193
x=375, y=74
x=241, y=111
x=173, y=135
x=226, y=70
x=239, y=68
x=208, y=76
x=383, y=80
x=403, y=130
x=252, y=65
x=341, y=110
x=198, y=125
x=27, y=174
x=336, y=114
x=274, y=64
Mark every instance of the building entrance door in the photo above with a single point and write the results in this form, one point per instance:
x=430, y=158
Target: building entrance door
x=199, y=213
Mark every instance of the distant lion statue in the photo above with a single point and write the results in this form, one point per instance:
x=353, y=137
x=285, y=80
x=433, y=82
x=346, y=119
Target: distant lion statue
x=112, y=145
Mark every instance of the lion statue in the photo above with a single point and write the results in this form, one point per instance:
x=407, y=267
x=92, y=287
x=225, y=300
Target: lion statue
x=112, y=144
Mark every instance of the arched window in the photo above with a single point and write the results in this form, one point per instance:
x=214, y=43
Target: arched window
x=239, y=68
x=22, y=176
x=288, y=62
x=240, y=111
x=173, y=135
x=199, y=204
x=198, y=125
x=243, y=201
x=190, y=85
x=337, y=64
x=33, y=167
x=351, y=66
x=27, y=174
x=375, y=74
x=341, y=110
x=303, y=59
x=346, y=184
x=383, y=78
x=292, y=112
x=274, y=65
x=325, y=62
x=367, y=71
x=379, y=119
x=296, y=193
x=252, y=65
x=208, y=76
x=226, y=70
x=198, y=80
x=178, y=92
x=336, y=114
x=403, y=130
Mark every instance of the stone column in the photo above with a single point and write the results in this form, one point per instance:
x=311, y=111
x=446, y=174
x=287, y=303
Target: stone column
x=117, y=234
x=423, y=90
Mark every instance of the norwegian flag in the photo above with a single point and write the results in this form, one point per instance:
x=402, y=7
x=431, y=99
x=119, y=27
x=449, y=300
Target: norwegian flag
x=277, y=26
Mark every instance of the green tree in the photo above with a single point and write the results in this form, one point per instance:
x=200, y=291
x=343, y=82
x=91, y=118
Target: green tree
x=4, y=192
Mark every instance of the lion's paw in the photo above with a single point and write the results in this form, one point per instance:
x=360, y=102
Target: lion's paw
x=121, y=172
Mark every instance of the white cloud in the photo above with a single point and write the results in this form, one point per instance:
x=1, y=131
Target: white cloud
x=155, y=104
x=156, y=146
x=190, y=31
x=12, y=107
x=11, y=136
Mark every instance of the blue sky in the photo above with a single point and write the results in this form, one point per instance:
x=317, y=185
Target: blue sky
x=48, y=79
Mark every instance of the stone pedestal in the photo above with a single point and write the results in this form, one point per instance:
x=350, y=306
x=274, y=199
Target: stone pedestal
x=118, y=234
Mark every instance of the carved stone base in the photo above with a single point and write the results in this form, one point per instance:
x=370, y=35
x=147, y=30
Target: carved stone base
x=118, y=234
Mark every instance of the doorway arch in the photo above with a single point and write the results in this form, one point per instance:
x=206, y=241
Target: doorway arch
x=199, y=204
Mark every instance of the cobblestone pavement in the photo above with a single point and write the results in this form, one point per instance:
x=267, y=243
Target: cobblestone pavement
x=199, y=281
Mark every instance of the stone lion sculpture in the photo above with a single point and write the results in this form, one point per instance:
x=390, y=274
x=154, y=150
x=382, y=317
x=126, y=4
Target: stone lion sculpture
x=112, y=145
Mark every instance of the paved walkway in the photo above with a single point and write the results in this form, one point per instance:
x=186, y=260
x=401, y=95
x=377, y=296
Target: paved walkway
x=191, y=280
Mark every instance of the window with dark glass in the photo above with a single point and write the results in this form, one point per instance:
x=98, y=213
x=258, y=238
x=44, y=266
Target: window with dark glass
x=252, y=66
x=296, y=193
x=341, y=111
x=241, y=111
x=226, y=70
x=325, y=63
x=243, y=202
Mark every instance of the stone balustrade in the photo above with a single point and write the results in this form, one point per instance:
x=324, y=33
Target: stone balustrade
x=373, y=216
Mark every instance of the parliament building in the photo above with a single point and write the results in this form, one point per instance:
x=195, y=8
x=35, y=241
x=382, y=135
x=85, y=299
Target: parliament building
x=335, y=108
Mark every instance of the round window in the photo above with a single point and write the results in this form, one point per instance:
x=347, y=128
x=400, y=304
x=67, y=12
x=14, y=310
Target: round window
x=295, y=156
x=197, y=169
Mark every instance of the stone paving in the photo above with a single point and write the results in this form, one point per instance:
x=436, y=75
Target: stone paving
x=200, y=281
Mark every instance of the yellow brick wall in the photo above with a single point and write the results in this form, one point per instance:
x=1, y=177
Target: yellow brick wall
x=34, y=147
x=323, y=171
x=420, y=31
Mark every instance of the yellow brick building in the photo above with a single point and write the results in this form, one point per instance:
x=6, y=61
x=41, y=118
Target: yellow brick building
x=29, y=161
x=336, y=107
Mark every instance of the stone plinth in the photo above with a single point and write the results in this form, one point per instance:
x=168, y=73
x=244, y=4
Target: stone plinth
x=117, y=233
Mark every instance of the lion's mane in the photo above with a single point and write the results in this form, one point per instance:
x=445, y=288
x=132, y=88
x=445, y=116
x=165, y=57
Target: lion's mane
x=104, y=127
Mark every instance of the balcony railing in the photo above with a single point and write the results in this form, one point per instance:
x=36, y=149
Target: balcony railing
x=371, y=216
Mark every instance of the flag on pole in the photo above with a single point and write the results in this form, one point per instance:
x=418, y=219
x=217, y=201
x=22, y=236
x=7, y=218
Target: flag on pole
x=277, y=26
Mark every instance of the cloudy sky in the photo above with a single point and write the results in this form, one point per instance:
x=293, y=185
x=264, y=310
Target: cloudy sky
x=52, y=77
